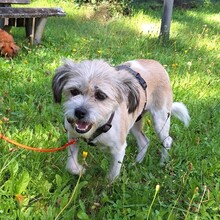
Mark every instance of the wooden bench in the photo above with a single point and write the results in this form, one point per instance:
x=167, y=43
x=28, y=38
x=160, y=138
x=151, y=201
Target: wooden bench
x=33, y=19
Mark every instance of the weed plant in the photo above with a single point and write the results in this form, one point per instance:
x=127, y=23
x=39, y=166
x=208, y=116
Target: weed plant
x=37, y=186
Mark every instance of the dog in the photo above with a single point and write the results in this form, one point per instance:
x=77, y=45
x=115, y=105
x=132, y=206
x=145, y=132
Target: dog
x=104, y=103
x=8, y=47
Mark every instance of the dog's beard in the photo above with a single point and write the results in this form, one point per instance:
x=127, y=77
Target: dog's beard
x=96, y=117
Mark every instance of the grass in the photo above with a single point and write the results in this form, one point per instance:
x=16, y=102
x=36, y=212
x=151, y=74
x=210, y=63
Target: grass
x=37, y=186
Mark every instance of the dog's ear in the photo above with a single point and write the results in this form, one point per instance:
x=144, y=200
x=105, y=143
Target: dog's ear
x=15, y=48
x=132, y=93
x=59, y=80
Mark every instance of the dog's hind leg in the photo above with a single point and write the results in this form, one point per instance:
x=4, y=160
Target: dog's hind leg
x=161, y=121
x=141, y=139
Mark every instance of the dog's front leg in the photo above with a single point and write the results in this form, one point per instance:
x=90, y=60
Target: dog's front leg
x=72, y=162
x=118, y=154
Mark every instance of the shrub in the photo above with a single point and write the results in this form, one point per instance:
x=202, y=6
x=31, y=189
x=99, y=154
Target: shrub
x=115, y=7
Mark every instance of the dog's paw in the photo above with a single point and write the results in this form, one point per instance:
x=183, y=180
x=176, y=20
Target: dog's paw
x=113, y=174
x=167, y=142
x=111, y=177
x=141, y=155
x=75, y=168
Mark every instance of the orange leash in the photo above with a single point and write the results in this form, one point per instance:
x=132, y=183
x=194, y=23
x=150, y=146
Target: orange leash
x=37, y=149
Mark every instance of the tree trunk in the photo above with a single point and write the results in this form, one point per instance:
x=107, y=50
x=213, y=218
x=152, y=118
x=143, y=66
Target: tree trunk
x=166, y=19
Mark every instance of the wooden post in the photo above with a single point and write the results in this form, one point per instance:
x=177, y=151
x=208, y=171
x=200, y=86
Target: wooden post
x=166, y=19
x=39, y=28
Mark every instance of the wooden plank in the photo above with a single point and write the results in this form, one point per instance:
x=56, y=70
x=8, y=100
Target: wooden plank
x=8, y=12
x=14, y=1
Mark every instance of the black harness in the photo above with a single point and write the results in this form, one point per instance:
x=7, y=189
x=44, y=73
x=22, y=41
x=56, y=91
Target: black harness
x=106, y=127
x=103, y=129
x=134, y=73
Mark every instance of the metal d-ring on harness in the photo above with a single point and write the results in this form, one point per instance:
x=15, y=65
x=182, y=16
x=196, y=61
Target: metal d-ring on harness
x=106, y=127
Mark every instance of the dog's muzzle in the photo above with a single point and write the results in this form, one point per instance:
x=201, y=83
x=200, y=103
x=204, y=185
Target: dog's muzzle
x=81, y=126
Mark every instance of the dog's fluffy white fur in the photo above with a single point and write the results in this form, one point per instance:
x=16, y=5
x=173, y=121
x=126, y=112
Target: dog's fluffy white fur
x=94, y=90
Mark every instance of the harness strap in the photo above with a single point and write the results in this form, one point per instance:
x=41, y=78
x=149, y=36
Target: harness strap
x=103, y=129
x=140, y=80
x=134, y=73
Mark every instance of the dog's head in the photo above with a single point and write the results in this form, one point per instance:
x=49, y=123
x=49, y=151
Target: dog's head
x=8, y=49
x=93, y=90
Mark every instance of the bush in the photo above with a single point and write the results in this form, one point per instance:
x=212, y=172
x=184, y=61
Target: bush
x=115, y=7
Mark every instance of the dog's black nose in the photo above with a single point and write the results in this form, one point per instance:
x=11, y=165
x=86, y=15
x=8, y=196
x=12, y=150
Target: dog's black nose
x=80, y=113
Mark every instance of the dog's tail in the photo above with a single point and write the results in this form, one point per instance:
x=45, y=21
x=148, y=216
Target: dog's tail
x=180, y=111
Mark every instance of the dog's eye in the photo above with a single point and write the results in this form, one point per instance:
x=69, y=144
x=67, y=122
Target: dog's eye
x=100, y=95
x=75, y=92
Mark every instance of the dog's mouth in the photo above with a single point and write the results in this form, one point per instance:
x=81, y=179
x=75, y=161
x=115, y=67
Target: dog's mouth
x=80, y=126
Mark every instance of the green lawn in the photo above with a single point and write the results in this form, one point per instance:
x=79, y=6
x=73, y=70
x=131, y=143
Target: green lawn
x=37, y=186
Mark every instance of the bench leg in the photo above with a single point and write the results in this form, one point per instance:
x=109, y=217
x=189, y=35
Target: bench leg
x=2, y=23
x=34, y=29
x=29, y=28
x=39, y=28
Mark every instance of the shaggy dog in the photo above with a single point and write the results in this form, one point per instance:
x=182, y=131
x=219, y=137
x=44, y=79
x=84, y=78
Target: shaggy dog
x=104, y=103
x=8, y=47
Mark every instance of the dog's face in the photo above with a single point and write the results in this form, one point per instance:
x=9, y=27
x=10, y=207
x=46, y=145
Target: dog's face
x=93, y=90
x=8, y=49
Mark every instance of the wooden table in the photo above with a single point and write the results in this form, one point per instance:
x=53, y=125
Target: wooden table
x=33, y=19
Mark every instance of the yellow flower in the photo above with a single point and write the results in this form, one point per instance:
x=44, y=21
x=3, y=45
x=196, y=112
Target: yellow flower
x=19, y=198
x=149, y=122
x=174, y=65
x=157, y=187
x=196, y=189
x=189, y=64
x=85, y=154
x=99, y=51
